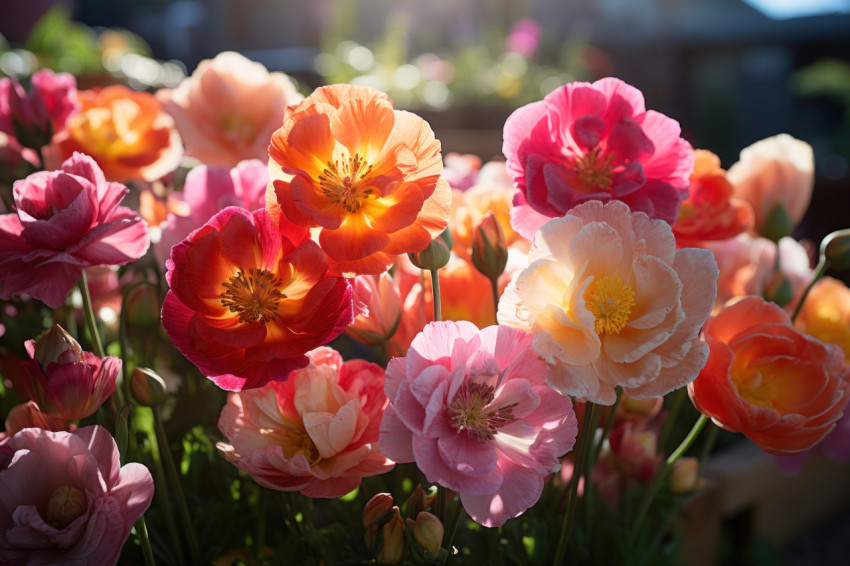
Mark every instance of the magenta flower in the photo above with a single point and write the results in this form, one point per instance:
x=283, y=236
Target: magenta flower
x=65, y=499
x=473, y=410
x=66, y=221
x=35, y=116
x=594, y=142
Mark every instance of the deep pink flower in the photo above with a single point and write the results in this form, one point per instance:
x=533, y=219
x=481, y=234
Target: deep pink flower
x=37, y=115
x=594, y=142
x=66, y=221
x=27, y=415
x=65, y=499
x=316, y=433
x=473, y=410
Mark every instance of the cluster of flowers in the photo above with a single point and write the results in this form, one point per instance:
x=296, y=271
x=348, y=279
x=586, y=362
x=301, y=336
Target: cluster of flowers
x=605, y=247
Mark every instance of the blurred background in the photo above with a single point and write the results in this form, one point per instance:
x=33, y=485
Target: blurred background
x=731, y=71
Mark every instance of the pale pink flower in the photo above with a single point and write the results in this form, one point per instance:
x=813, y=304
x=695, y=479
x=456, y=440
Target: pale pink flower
x=377, y=302
x=229, y=108
x=472, y=409
x=66, y=221
x=316, y=432
x=66, y=499
x=611, y=302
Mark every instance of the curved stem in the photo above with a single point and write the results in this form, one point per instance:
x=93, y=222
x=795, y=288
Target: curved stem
x=688, y=441
x=88, y=311
x=435, y=294
x=820, y=271
x=142, y=532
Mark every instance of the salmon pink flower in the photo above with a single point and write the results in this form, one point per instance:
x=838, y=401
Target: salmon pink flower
x=709, y=213
x=783, y=389
x=27, y=415
x=378, y=300
x=316, y=432
x=229, y=108
x=250, y=297
x=611, y=302
x=367, y=175
x=66, y=221
x=472, y=409
x=126, y=132
x=594, y=142
x=66, y=499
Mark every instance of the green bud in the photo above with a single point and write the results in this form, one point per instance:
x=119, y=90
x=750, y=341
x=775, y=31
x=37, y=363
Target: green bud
x=777, y=225
x=836, y=249
x=778, y=289
x=489, y=248
x=436, y=255
x=148, y=387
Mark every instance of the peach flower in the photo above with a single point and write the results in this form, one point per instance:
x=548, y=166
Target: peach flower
x=783, y=389
x=229, y=108
x=468, y=210
x=126, y=132
x=772, y=172
x=826, y=314
x=611, y=302
x=316, y=432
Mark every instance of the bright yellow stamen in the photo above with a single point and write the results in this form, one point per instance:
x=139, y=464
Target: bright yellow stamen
x=253, y=294
x=610, y=301
x=594, y=172
x=344, y=182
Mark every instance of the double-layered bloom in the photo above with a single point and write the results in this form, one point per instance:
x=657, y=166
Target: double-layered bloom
x=611, y=302
x=126, y=132
x=367, y=175
x=249, y=297
x=783, y=389
x=594, y=142
x=229, y=108
x=66, y=499
x=316, y=432
x=66, y=221
x=472, y=409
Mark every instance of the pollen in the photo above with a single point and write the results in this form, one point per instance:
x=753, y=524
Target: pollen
x=471, y=412
x=595, y=173
x=610, y=301
x=345, y=182
x=253, y=294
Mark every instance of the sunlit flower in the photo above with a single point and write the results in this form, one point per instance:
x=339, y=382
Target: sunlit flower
x=315, y=433
x=594, y=142
x=66, y=497
x=250, y=297
x=229, y=108
x=611, y=302
x=709, y=213
x=781, y=388
x=367, y=175
x=470, y=207
x=472, y=409
x=826, y=314
x=126, y=132
x=378, y=301
x=66, y=221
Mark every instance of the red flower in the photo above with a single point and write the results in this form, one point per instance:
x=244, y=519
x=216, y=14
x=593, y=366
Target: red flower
x=248, y=299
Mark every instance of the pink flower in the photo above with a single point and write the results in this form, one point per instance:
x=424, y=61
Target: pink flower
x=594, y=142
x=27, y=415
x=315, y=433
x=35, y=116
x=207, y=191
x=229, y=108
x=378, y=299
x=472, y=409
x=66, y=221
x=611, y=302
x=65, y=499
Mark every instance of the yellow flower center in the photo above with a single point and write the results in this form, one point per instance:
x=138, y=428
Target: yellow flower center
x=254, y=297
x=594, y=172
x=470, y=412
x=756, y=390
x=610, y=301
x=342, y=182
x=65, y=504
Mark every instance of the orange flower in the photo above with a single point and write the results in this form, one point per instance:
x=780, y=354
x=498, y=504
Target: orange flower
x=126, y=132
x=367, y=175
x=783, y=389
x=826, y=314
x=709, y=213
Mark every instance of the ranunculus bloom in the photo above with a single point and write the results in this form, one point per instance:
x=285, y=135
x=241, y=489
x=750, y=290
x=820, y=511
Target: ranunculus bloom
x=316, y=432
x=66, y=220
x=378, y=300
x=367, y=175
x=772, y=172
x=594, y=142
x=611, y=302
x=826, y=314
x=126, y=132
x=229, y=108
x=249, y=298
x=783, y=389
x=65, y=381
x=473, y=410
x=709, y=213
x=208, y=190
x=66, y=499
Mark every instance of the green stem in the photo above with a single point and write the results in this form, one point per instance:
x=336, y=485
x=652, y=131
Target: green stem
x=688, y=441
x=820, y=271
x=162, y=497
x=91, y=321
x=174, y=479
x=494, y=286
x=435, y=294
x=708, y=445
x=451, y=527
x=584, y=448
x=142, y=532
x=259, y=543
x=441, y=505
x=677, y=400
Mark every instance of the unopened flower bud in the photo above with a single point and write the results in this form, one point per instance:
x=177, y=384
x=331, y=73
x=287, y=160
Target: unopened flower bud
x=56, y=346
x=141, y=307
x=428, y=532
x=640, y=407
x=489, y=247
x=377, y=510
x=148, y=387
x=684, y=476
x=436, y=255
x=418, y=502
x=778, y=289
x=836, y=248
x=392, y=533
x=778, y=224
